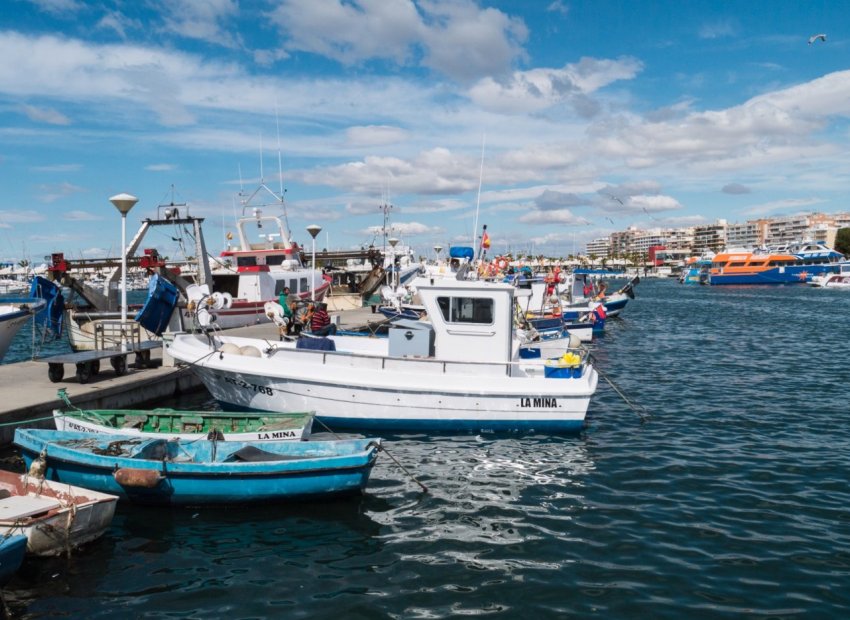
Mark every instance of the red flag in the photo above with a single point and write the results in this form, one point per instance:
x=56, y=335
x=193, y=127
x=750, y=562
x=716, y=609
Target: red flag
x=485, y=241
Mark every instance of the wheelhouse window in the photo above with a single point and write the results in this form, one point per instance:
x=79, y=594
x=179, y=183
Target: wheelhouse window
x=275, y=260
x=466, y=310
x=737, y=264
x=246, y=261
x=304, y=286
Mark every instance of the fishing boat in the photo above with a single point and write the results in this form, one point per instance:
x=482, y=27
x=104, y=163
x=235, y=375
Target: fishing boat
x=186, y=425
x=584, y=289
x=178, y=472
x=54, y=517
x=461, y=371
x=14, y=313
x=12, y=552
x=250, y=273
x=696, y=271
x=834, y=280
x=256, y=272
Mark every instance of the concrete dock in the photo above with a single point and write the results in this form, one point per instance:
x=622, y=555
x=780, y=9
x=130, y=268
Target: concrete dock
x=28, y=397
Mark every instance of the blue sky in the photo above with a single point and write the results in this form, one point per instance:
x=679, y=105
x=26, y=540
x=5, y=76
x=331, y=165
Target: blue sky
x=593, y=115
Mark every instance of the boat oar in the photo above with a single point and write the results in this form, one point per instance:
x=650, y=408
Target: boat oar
x=640, y=410
x=381, y=448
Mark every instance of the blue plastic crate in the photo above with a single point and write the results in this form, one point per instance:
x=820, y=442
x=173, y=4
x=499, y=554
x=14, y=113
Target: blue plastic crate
x=529, y=354
x=554, y=372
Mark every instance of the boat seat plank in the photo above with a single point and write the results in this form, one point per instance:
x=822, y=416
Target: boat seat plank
x=134, y=421
x=252, y=454
x=22, y=506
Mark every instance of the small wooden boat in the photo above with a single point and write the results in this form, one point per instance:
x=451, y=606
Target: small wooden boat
x=175, y=424
x=12, y=551
x=54, y=517
x=177, y=472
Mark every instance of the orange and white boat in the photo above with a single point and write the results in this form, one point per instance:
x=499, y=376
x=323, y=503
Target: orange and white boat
x=757, y=268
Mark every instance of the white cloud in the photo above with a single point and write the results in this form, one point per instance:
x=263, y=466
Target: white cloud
x=789, y=204
x=718, y=29
x=58, y=168
x=20, y=217
x=207, y=20
x=404, y=228
x=51, y=192
x=555, y=216
x=81, y=216
x=454, y=37
x=437, y=171
x=45, y=115
x=161, y=167
x=58, y=7
x=538, y=89
x=375, y=135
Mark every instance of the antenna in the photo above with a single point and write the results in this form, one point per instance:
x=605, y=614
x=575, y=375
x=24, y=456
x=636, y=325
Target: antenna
x=478, y=201
x=262, y=178
x=279, y=158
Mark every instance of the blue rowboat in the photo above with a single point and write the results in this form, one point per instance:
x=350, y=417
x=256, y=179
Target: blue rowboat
x=12, y=550
x=160, y=471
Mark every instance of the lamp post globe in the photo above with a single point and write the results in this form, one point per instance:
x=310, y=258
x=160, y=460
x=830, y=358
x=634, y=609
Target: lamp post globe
x=313, y=229
x=123, y=202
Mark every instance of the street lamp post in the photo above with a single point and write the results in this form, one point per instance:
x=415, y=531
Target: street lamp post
x=314, y=230
x=437, y=249
x=123, y=202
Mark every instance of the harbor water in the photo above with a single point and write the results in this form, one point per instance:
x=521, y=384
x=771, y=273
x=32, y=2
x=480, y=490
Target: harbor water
x=731, y=501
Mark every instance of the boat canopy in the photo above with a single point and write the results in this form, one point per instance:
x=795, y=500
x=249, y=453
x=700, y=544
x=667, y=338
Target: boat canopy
x=462, y=252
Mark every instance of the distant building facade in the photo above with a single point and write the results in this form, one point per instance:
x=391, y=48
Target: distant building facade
x=721, y=235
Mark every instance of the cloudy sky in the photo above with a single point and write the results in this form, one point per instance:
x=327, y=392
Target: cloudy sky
x=591, y=116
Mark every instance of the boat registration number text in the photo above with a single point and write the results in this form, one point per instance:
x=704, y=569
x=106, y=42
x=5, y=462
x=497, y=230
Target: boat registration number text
x=250, y=386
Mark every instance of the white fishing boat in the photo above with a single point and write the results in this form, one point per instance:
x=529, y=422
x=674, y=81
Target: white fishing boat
x=55, y=517
x=256, y=271
x=834, y=280
x=14, y=313
x=460, y=371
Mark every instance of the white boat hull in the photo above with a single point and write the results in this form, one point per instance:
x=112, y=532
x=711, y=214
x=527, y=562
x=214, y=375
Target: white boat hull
x=348, y=390
x=8, y=330
x=14, y=313
x=81, y=515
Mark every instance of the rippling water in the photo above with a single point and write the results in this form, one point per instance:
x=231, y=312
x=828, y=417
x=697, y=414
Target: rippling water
x=731, y=501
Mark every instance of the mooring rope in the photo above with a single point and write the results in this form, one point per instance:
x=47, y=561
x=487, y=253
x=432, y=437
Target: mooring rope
x=640, y=410
x=381, y=448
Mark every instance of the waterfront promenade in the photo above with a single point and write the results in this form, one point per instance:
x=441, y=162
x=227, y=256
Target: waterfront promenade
x=28, y=396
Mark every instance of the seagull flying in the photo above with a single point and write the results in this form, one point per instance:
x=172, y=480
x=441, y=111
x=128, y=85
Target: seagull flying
x=610, y=220
x=815, y=37
x=648, y=213
x=617, y=199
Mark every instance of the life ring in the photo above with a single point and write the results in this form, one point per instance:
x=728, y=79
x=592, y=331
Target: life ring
x=502, y=263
